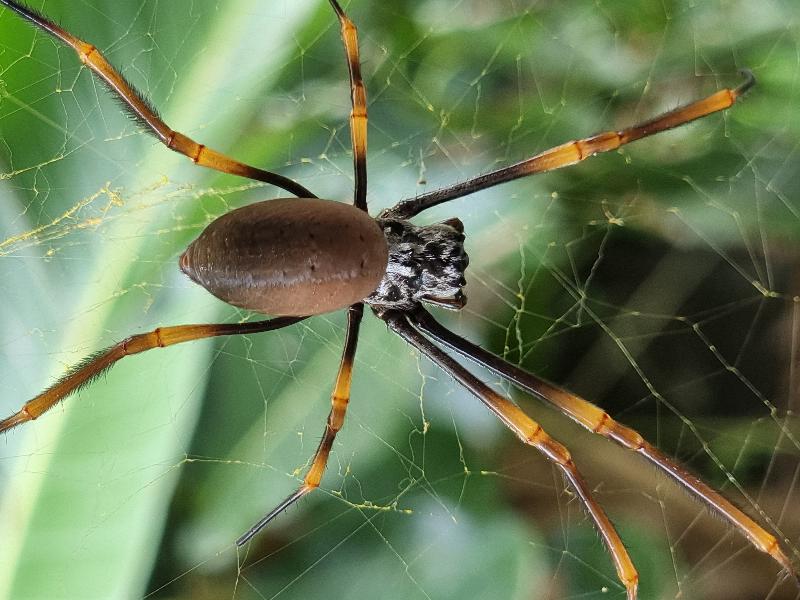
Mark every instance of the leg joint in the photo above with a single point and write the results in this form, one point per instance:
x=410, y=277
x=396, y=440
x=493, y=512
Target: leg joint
x=196, y=157
x=85, y=52
x=533, y=436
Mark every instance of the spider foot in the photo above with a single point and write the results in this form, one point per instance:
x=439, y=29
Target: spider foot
x=749, y=82
x=264, y=521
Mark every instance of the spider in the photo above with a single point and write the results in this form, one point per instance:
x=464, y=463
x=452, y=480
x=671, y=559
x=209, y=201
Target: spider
x=293, y=258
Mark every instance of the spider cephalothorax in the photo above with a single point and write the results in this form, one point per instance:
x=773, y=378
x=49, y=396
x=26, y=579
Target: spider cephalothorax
x=426, y=264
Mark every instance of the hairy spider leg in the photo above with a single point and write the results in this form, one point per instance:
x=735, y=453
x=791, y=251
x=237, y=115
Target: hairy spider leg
x=97, y=364
x=341, y=393
x=532, y=434
x=339, y=401
x=575, y=151
x=138, y=108
x=596, y=420
x=358, y=99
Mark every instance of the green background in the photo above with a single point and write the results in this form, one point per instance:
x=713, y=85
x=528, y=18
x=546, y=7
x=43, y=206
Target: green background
x=658, y=282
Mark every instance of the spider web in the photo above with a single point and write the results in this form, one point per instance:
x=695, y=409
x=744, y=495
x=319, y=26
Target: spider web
x=658, y=282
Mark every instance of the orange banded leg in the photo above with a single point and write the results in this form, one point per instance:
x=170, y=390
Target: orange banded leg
x=575, y=151
x=339, y=400
x=600, y=422
x=532, y=434
x=99, y=363
x=358, y=98
x=146, y=115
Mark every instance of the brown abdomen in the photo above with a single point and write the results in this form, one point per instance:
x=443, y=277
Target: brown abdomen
x=290, y=256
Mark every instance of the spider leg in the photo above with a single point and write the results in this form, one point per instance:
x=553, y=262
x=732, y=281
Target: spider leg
x=358, y=98
x=99, y=363
x=339, y=400
x=532, y=434
x=143, y=113
x=596, y=420
x=575, y=151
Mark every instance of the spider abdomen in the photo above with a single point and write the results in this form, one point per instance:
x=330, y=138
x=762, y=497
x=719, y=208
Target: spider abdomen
x=289, y=256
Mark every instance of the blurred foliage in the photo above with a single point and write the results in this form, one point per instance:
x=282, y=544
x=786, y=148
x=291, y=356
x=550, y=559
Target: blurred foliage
x=658, y=281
